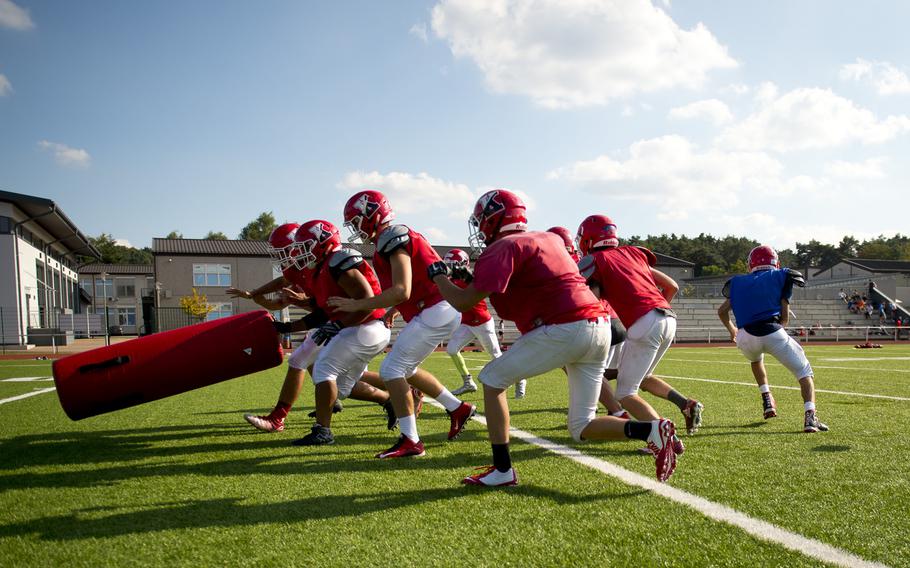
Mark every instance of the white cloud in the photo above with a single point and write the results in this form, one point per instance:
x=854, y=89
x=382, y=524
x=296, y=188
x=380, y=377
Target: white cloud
x=419, y=31
x=676, y=178
x=66, y=156
x=711, y=109
x=809, y=118
x=14, y=17
x=5, y=86
x=735, y=89
x=569, y=53
x=766, y=93
x=436, y=235
x=123, y=243
x=867, y=169
x=884, y=77
x=413, y=193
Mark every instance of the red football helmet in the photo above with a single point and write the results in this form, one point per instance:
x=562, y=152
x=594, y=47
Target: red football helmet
x=314, y=242
x=496, y=211
x=281, y=243
x=457, y=257
x=596, y=231
x=566, y=238
x=364, y=212
x=763, y=258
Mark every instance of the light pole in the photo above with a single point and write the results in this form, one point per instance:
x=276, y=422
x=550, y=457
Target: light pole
x=107, y=331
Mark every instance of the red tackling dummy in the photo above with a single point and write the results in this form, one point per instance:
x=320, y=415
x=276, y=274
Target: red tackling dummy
x=165, y=364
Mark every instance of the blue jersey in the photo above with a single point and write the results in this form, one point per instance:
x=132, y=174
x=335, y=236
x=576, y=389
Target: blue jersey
x=755, y=297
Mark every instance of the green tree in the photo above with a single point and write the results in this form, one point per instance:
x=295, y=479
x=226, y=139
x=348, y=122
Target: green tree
x=196, y=305
x=215, y=236
x=114, y=253
x=259, y=228
x=174, y=235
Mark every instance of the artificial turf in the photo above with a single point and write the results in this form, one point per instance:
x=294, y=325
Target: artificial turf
x=186, y=481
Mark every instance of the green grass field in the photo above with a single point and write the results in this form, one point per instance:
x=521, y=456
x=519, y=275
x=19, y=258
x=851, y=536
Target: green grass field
x=186, y=481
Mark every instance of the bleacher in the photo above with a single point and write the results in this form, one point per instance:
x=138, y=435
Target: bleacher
x=698, y=322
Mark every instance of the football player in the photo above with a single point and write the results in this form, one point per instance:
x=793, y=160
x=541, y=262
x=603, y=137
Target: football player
x=760, y=302
x=531, y=280
x=476, y=323
x=625, y=276
x=281, y=243
x=350, y=339
x=401, y=260
x=568, y=240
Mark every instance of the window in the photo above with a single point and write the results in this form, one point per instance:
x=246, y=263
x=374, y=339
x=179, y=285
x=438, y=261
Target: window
x=86, y=285
x=104, y=288
x=211, y=275
x=126, y=316
x=6, y=225
x=220, y=311
x=126, y=287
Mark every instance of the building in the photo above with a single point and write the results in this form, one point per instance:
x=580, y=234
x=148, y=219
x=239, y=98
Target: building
x=39, y=251
x=127, y=291
x=209, y=267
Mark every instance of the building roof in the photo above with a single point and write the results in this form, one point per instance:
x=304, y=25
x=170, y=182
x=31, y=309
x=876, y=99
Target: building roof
x=97, y=268
x=209, y=247
x=874, y=265
x=46, y=214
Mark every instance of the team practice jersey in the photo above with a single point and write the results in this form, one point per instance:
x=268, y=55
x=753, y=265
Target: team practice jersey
x=756, y=297
x=624, y=277
x=326, y=282
x=302, y=279
x=533, y=281
x=424, y=292
x=477, y=315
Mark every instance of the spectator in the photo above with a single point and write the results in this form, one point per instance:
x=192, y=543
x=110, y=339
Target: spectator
x=869, y=310
x=843, y=295
x=871, y=287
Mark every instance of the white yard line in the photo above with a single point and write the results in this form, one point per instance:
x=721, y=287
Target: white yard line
x=26, y=379
x=757, y=528
x=768, y=362
x=753, y=385
x=848, y=359
x=26, y=395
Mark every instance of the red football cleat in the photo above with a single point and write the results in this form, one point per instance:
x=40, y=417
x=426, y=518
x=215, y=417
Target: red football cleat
x=491, y=477
x=403, y=448
x=459, y=417
x=660, y=442
x=692, y=413
x=265, y=423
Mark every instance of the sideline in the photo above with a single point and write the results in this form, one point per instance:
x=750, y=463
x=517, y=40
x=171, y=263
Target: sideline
x=26, y=395
x=757, y=528
x=767, y=362
x=773, y=387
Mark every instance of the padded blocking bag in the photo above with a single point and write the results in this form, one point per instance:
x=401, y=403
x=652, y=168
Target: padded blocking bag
x=165, y=364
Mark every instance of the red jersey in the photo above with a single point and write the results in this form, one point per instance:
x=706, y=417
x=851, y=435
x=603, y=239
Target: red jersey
x=625, y=280
x=477, y=315
x=325, y=281
x=534, y=282
x=424, y=292
x=302, y=279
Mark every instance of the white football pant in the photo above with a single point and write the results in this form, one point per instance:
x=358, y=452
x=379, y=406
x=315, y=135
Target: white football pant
x=780, y=346
x=418, y=339
x=646, y=342
x=346, y=356
x=485, y=334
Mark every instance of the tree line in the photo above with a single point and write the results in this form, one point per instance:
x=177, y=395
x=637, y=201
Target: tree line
x=711, y=255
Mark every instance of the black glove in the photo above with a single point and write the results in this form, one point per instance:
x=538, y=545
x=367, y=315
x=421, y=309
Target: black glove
x=462, y=272
x=439, y=268
x=326, y=332
x=282, y=327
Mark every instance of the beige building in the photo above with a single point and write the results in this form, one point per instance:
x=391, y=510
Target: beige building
x=209, y=266
x=39, y=249
x=124, y=290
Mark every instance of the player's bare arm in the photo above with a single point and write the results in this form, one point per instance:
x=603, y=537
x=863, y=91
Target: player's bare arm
x=784, y=312
x=355, y=284
x=668, y=286
x=462, y=299
x=723, y=312
x=398, y=292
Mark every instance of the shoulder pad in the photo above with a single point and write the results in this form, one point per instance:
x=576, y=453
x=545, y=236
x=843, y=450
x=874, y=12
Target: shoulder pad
x=392, y=238
x=796, y=277
x=651, y=257
x=726, y=289
x=345, y=259
x=587, y=266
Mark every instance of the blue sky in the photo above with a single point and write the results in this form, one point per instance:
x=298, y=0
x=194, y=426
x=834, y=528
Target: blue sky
x=781, y=121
